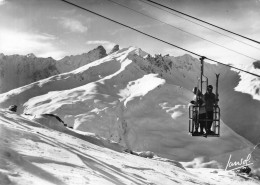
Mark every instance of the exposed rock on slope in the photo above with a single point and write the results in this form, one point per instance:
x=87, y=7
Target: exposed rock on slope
x=115, y=49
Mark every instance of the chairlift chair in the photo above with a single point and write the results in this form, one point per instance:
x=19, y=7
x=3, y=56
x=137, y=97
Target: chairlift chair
x=194, y=120
x=194, y=111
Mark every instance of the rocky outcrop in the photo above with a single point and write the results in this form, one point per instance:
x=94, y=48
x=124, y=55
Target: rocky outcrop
x=256, y=65
x=115, y=49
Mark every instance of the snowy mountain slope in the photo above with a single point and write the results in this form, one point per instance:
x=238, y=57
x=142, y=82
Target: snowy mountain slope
x=116, y=97
x=239, y=109
x=136, y=56
x=147, y=116
x=81, y=76
x=182, y=71
x=18, y=70
x=32, y=153
x=238, y=92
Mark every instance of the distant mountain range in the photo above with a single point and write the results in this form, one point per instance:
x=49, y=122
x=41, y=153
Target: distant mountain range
x=19, y=70
x=133, y=98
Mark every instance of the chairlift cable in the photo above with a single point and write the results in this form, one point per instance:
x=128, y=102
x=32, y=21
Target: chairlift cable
x=199, y=24
x=204, y=21
x=155, y=37
x=183, y=30
x=130, y=27
x=234, y=67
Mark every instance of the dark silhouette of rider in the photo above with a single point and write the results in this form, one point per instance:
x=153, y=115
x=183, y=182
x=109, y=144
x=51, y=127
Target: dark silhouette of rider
x=210, y=101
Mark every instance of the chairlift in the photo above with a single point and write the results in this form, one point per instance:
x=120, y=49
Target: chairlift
x=194, y=119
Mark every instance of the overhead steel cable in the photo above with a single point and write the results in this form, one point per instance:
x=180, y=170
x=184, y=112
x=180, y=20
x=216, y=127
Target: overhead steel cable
x=234, y=67
x=204, y=21
x=154, y=37
x=183, y=30
x=130, y=27
x=170, y=12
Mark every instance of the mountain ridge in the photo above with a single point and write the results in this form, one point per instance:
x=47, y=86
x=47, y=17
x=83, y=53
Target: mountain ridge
x=119, y=94
x=29, y=68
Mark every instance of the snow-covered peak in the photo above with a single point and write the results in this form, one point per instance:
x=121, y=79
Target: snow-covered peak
x=137, y=51
x=141, y=53
x=72, y=62
x=30, y=55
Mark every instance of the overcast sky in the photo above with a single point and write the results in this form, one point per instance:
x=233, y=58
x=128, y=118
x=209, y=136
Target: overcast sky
x=54, y=28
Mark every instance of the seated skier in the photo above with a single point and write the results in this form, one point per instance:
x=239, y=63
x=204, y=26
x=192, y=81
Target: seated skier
x=200, y=114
